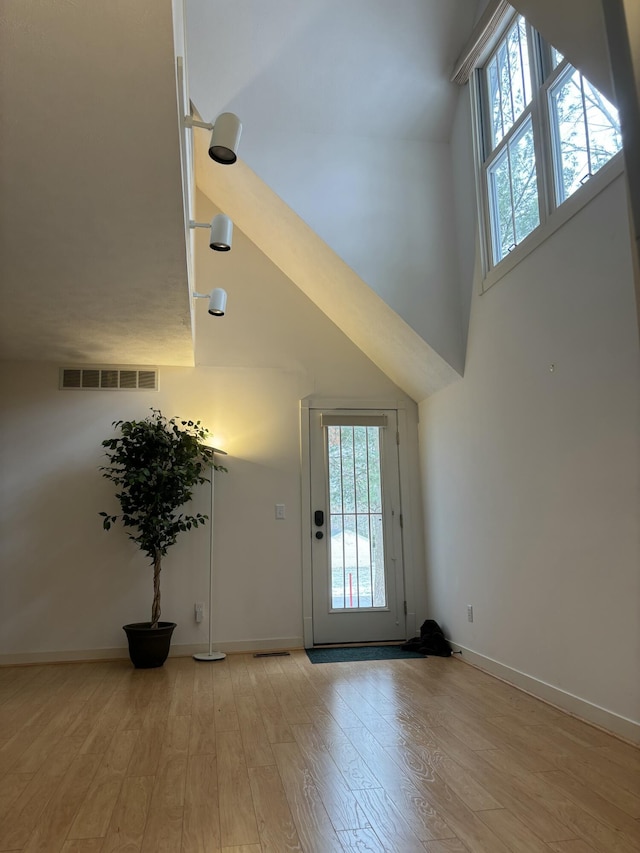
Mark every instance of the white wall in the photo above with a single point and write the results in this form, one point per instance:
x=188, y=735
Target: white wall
x=346, y=109
x=67, y=586
x=623, y=32
x=576, y=28
x=389, y=217
x=464, y=201
x=531, y=476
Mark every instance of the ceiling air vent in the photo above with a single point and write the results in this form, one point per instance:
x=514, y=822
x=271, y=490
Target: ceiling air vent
x=108, y=379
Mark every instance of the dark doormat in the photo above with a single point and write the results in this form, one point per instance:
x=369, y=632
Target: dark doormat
x=355, y=653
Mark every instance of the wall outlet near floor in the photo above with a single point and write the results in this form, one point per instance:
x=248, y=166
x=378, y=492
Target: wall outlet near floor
x=469, y=612
x=198, y=608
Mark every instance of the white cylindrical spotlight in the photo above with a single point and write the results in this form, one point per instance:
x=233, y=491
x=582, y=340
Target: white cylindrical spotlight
x=218, y=302
x=225, y=138
x=221, y=233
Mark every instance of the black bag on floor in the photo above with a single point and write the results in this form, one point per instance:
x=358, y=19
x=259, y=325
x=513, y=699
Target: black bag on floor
x=430, y=642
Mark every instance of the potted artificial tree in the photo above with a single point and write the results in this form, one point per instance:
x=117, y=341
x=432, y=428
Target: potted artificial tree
x=155, y=463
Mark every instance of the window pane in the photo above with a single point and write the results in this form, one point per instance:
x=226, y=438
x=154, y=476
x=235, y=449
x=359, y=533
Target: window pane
x=348, y=480
x=338, y=559
x=504, y=88
x=526, y=213
x=499, y=182
x=377, y=562
x=495, y=104
x=603, y=125
x=513, y=193
x=519, y=68
x=556, y=57
x=334, y=452
x=571, y=153
x=361, y=463
x=508, y=80
x=375, y=473
x=363, y=559
x=586, y=131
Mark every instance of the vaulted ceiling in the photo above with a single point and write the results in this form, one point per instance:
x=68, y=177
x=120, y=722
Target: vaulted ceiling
x=346, y=180
x=93, y=250
x=92, y=243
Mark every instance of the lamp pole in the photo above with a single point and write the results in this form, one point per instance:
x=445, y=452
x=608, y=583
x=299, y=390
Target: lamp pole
x=211, y=654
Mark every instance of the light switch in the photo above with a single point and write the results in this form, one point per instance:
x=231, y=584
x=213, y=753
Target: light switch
x=280, y=511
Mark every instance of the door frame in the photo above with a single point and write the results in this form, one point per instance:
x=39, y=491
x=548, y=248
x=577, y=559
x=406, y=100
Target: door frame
x=407, y=535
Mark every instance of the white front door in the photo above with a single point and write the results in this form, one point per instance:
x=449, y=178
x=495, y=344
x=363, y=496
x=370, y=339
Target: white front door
x=356, y=550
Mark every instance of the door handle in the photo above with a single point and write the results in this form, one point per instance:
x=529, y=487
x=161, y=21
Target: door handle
x=318, y=518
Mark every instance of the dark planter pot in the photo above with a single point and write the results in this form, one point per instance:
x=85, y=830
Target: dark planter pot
x=148, y=647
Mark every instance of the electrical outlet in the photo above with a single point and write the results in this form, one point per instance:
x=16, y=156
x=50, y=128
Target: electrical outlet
x=469, y=612
x=280, y=511
x=199, y=610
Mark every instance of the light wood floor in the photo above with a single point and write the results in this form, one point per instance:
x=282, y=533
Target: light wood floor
x=276, y=754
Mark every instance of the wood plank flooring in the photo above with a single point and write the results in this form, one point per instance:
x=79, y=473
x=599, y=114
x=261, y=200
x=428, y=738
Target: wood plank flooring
x=275, y=755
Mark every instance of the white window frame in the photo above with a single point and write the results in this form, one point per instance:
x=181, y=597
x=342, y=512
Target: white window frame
x=552, y=216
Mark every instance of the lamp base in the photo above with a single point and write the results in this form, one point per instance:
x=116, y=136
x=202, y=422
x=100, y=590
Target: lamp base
x=209, y=656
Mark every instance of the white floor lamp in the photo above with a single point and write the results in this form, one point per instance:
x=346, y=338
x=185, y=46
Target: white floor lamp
x=211, y=654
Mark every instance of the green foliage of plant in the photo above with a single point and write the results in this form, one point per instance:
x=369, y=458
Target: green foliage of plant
x=155, y=464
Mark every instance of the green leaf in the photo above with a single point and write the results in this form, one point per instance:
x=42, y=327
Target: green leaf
x=155, y=463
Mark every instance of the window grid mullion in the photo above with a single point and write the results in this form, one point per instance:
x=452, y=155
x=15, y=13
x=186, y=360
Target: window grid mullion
x=557, y=72
x=540, y=126
x=513, y=131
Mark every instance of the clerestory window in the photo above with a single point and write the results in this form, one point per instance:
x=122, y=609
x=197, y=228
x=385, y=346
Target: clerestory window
x=543, y=132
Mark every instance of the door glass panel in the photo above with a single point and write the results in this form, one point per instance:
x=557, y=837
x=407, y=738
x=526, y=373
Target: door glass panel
x=355, y=508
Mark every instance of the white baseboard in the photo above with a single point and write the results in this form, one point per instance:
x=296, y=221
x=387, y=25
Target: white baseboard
x=274, y=644
x=610, y=721
x=66, y=656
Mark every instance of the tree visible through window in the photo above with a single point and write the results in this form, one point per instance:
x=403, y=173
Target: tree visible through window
x=527, y=86
x=585, y=131
x=355, y=509
x=512, y=176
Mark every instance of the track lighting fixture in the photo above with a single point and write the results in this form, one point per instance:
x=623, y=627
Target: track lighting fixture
x=221, y=232
x=223, y=148
x=225, y=136
x=217, y=301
